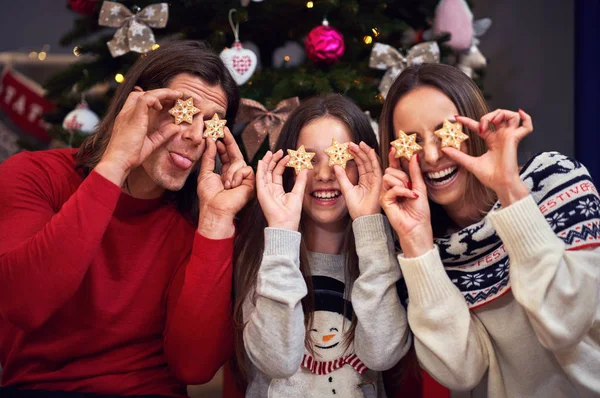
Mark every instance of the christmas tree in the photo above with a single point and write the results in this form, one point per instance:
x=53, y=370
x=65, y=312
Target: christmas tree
x=287, y=35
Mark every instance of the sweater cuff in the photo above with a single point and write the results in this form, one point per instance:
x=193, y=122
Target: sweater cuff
x=523, y=229
x=212, y=249
x=426, y=278
x=370, y=229
x=282, y=242
x=101, y=190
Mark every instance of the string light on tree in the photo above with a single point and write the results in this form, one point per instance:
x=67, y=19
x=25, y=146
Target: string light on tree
x=368, y=39
x=119, y=78
x=309, y=4
x=290, y=55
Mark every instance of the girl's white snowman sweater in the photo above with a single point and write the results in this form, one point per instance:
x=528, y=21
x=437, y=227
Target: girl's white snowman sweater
x=274, y=333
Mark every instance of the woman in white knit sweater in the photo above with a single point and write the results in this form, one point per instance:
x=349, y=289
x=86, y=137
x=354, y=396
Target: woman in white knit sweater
x=501, y=263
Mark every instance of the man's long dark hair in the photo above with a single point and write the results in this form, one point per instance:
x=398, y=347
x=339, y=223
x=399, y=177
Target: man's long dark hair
x=152, y=71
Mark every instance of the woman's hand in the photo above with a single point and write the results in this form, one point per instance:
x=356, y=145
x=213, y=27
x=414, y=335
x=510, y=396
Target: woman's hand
x=405, y=203
x=498, y=168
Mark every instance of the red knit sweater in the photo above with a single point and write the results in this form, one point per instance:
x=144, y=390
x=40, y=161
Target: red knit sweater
x=101, y=292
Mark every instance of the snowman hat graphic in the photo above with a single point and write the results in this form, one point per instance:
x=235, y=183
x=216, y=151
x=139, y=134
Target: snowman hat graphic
x=331, y=351
x=329, y=296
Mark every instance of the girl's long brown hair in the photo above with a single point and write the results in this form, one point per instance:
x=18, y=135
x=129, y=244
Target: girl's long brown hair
x=469, y=101
x=249, y=244
x=155, y=70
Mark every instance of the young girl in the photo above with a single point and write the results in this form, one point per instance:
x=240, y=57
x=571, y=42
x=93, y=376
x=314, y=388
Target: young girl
x=316, y=302
x=501, y=263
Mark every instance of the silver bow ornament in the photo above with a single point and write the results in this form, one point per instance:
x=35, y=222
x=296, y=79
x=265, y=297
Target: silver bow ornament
x=385, y=57
x=134, y=33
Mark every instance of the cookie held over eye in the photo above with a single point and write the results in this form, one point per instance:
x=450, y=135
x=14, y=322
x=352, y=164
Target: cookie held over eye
x=300, y=159
x=338, y=153
x=406, y=145
x=184, y=111
x=451, y=134
x=213, y=128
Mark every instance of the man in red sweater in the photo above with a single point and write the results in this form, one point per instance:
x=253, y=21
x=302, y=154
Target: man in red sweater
x=115, y=260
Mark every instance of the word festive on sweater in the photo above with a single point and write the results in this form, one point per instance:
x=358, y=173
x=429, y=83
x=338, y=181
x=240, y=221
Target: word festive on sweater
x=134, y=33
x=262, y=121
x=475, y=258
x=569, y=194
x=214, y=127
x=405, y=145
x=385, y=57
x=300, y=159
x=326, y=367
x=338, y=153
x=184, y=111
x=22, y=100
x=451, y=134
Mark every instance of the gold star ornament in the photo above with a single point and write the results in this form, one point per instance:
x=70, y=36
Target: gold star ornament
x=300, y=159
x=184, y=111
x=405, y=145
x=213, y=128
x=451, y=134
x=338, y=153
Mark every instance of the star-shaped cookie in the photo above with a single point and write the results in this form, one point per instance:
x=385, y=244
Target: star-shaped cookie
x=300, y=159
x=405, y=145
x=213, y=128
x=451, y=134
x=338, y=153
x=184, y=111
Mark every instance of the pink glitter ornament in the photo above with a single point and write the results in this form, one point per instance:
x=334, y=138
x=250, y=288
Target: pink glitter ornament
x=324, y=45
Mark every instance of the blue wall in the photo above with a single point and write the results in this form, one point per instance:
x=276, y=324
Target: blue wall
x=587, y=85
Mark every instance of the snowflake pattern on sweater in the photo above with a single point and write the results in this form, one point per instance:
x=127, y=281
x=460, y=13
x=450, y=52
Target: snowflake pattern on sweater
x=475, y=258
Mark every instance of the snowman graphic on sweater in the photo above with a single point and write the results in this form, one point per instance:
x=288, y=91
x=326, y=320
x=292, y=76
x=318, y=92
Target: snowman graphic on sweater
x=334, y=370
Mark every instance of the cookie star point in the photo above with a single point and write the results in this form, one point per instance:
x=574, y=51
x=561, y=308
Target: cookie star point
x=451, y=134
x=300, y=159
x=338, y=153
x=184, y=111
x=213, y=128
x=406, y=145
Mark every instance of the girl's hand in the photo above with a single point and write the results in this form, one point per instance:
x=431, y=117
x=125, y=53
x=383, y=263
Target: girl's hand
x=281, y=209
x=362, y=199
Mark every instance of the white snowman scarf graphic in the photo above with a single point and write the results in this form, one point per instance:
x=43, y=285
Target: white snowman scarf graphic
x=334, y=369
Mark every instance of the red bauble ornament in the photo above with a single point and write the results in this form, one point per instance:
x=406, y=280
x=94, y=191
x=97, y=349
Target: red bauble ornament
x=324, y=44
x=84, y=7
